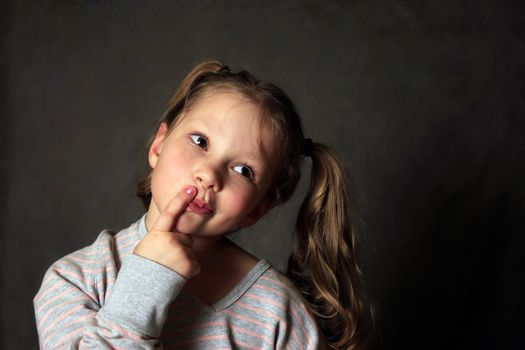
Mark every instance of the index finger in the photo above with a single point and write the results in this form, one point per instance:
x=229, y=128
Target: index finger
x=170, y=214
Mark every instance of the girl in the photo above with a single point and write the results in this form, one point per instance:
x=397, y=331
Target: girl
x=227, y=150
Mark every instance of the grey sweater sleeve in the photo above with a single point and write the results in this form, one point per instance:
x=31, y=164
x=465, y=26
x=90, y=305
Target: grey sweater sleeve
x=141, y=296
x=79, y=307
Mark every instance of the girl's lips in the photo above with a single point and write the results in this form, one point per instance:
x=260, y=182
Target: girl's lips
x=199, y=207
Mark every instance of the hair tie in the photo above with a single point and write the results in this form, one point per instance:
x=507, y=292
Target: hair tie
x=224, y=70
x=308, y=147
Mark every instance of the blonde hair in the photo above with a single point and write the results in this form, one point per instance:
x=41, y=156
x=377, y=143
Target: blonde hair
x=323, y=264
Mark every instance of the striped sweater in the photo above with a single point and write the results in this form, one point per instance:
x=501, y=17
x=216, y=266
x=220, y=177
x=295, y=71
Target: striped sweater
x=106, y=297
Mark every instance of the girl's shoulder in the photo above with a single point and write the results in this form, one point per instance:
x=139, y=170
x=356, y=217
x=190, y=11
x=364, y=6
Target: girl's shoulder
x=92, y=269
x=271, y=289
x=103, y=256
x=263, y=278
x=277, y=284
x=274, y=300
x=108, y=245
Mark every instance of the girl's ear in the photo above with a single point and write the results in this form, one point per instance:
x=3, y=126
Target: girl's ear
x=258, y=212
x=156, y=145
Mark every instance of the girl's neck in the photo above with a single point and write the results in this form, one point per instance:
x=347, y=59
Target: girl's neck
x=223, y=268
x=209, y=249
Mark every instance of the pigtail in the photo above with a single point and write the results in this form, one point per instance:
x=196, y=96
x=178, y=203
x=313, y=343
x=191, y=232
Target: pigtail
x=175, y=106
x=323, y=263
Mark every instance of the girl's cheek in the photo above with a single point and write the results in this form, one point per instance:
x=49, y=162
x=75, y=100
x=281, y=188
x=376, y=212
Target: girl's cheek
x=247, y=201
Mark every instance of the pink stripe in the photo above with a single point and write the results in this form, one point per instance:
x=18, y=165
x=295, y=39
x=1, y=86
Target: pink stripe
x=220, y=336
x=67, y=337
x=299, y=320
x=88, y=251
x=253, y=334
x=259, y=311
x=120, y=331
x=49, y=276
x=54, y=309
x=108, y=290
x=194, y=326
x=101, y=244
x=297, y=317
x=54, y=323
x=70, y=290
x=81, y=340
x=96, y=336
x=57, y=285
x=246, y=345
x=125, y=235
x=61, y=272
x=75, y=258
x=273, y=280
x=270, y=289
x=124, y=331
x=82, y=276
x=97, y=271
x=126, y=245
x=108, y=281
x=247, y=319
x=82, y=280
x=125, y=240
x=276, y=318
x=78, y=259
x=294, y=335
x=78, y=320
x=266, y=300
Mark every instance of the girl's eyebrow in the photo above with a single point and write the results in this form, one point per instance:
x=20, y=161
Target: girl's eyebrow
x=259, y=160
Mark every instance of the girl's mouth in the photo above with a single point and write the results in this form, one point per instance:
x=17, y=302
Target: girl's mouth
x=199, y=207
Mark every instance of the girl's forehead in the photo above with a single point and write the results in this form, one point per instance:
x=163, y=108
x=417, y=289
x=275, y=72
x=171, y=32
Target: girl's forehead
x=224, y=109
x=232, y=117
x=223, y=99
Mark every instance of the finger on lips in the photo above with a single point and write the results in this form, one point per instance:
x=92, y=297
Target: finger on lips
x=169, y=215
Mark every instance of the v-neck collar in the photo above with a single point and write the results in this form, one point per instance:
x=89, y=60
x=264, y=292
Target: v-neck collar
x=198, y=305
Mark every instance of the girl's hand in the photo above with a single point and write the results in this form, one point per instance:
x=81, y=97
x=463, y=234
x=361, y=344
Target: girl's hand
x=167, y=247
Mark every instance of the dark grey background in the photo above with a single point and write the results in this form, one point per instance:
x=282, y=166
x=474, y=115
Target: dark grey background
x=424, y=101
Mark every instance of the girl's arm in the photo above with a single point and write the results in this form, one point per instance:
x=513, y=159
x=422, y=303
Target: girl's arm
x=69, y=314
x=79, y=307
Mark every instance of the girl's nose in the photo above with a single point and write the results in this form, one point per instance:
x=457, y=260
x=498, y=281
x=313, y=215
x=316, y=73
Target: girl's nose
x=208, y=177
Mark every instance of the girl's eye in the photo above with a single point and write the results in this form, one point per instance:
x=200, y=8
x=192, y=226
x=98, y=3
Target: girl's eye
x=199, y=141
x=244, y=171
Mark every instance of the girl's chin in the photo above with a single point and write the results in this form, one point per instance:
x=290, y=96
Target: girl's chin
x=186, y=227
x=191, y=224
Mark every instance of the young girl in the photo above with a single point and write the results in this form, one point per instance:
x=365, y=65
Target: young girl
x=227, y=150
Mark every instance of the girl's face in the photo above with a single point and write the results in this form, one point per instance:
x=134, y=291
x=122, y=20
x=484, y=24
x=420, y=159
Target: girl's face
x=220, y=148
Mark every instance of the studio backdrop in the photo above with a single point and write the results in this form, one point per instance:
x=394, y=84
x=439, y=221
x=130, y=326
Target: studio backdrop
x=422, y=100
